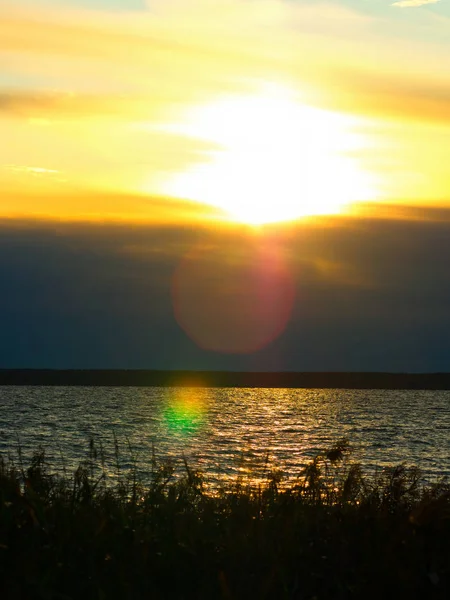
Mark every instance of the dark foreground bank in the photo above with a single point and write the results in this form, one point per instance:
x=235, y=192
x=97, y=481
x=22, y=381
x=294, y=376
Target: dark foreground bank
x=143, y=378
x=333, y=534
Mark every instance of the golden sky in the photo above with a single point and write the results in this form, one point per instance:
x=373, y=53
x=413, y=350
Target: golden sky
x=261, y=110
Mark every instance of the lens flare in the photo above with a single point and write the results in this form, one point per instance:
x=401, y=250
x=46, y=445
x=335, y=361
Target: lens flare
x=185, y=411
x=230, y=300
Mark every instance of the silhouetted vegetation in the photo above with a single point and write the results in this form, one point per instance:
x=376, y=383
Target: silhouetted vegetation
x=335, y=532
x=286, y=379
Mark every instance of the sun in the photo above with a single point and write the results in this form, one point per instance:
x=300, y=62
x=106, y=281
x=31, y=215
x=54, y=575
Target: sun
x=272, y=158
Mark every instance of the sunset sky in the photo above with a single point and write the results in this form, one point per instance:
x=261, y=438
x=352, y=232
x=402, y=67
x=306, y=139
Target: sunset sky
x=237, y=184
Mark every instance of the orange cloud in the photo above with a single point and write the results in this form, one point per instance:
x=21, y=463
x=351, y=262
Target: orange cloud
x=106, y=81
x=414, y=3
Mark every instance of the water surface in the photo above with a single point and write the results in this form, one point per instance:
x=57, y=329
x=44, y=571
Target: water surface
x=226, y=432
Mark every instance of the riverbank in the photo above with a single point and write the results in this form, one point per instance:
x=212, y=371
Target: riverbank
x=224, y=379
x=335, y=533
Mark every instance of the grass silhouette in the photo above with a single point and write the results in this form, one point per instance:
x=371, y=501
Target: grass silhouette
x=335, y=532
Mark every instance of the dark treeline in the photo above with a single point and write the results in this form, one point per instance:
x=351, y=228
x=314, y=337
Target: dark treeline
x=414, y=381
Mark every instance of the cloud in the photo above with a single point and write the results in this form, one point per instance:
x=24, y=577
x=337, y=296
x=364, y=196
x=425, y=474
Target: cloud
x=31, y=170
x=122, y=45
x=404, y=97
x=371, y=294
x=113, y=75
x=179, y=51
x=414, y=3
x=61, y=200
x=62, y=105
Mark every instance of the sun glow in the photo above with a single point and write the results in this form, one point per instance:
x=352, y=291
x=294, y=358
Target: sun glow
x=273, y=159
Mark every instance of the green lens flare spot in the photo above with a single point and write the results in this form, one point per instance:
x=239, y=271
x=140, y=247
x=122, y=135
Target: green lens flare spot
x=184, y=415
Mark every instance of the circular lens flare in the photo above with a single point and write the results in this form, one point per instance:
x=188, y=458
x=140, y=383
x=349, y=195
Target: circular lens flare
x=233, y=301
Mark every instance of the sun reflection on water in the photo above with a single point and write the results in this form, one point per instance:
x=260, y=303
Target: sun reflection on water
x=228, y=433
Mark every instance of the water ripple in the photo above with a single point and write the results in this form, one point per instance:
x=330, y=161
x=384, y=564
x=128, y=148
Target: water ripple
x=228, y=431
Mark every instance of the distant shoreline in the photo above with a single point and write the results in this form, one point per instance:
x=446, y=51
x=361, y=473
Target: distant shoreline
x=146, y=378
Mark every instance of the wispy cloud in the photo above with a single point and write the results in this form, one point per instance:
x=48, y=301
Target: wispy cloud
x=385, y=95
x=88, y=87
x=414, y=3
x=40, y=107
x=30, y=170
